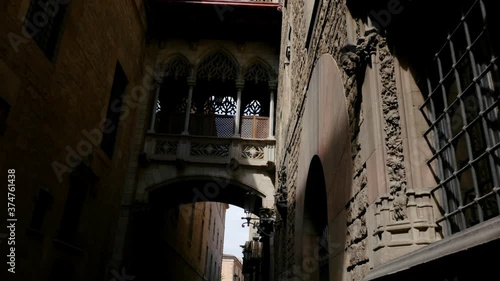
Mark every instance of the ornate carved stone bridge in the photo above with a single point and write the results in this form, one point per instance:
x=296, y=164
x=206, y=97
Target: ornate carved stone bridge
x=212, y=127
x=204, y=166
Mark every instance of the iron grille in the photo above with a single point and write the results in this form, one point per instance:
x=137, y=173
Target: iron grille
x=462, y=110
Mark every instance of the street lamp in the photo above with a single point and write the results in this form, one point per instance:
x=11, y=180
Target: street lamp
x=264, y=223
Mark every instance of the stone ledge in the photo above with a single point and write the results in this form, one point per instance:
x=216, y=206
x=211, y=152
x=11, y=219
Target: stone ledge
x=469, y=238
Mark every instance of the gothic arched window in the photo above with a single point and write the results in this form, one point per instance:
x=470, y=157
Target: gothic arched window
x=177, y=68
x=253, y=109
x=258, y=72
x=172, y=99
x=218, y=66
x=220, y=105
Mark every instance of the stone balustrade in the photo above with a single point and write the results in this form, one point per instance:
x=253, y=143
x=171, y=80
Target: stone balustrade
x=211, y=150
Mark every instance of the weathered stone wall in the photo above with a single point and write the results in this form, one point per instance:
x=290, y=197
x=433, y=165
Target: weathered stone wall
x=294, y=78
x=377, y=133
x=52, y=103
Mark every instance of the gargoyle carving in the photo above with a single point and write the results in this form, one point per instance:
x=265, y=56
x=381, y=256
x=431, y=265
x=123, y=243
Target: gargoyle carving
x=356, y=55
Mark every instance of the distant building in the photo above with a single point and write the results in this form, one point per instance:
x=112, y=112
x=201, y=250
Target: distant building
x=231, y=269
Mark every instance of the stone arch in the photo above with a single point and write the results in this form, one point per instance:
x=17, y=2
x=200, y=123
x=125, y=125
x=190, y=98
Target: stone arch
x=325, y=139
x=202, y=188
x=218, y=64
x=172, y=179
x=258, y=75
x=258, y=70
x=176, y=66
x=315, y=224
x=171, y=102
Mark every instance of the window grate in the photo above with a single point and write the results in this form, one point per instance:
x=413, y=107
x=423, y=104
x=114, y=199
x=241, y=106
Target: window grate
x=462, y=108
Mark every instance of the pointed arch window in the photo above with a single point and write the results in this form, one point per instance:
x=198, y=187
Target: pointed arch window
x=221, y=105
x=258, y=73
x=253, y=108
x=218, y=66
x=181, y=107
x=178, y=68
x=258, y=100
x=170, y=106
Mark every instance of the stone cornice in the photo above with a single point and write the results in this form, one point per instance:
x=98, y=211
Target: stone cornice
x=480, y=234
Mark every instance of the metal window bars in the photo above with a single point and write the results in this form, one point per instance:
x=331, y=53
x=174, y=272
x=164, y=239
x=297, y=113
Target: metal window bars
x=462, y=109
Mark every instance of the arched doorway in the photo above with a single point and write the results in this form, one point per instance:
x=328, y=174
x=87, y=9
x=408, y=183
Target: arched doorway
x=324, y=180
x=169, y=235
x=315, y=224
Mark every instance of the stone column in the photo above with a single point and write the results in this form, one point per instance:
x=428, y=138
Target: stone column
x=272, y=90
x=239, y=88
x=191, y=83
x=155, y=104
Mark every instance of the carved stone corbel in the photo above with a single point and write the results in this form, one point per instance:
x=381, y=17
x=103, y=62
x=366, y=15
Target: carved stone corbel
x=355, y=56
x=281, y=196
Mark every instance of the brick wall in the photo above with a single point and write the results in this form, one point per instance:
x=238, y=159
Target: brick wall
x=52, y=103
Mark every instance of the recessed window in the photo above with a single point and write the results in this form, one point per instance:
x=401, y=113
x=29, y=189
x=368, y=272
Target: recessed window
x=462, y=109
x=114, y=111
x=4, y=114
x=43, y=22
x=43, y=202
x=81, y=180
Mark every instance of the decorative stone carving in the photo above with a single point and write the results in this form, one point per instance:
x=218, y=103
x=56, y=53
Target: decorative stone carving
x=178, y=67
x=417, y=229
x=350, y=59
x=218, y=66
x=355, y=56
x=281, y=196
x=252, y=152
x=209, y=149
x=252, y=109
x=165, y=147
x=392, y=128
x=258, y=72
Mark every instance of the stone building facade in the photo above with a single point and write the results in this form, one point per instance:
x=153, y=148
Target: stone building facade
x=378, y=177
x=66, y=68
x=207, y=133
x=379, y=149
x=231, y=269
x=89, y=122
x=195, y=240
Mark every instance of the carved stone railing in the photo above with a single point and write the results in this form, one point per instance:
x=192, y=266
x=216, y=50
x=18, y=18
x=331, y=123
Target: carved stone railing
x=212, y=150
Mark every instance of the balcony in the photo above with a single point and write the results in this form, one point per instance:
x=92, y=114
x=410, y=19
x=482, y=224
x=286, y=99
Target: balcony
x=215, y=111
x=209, y=150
